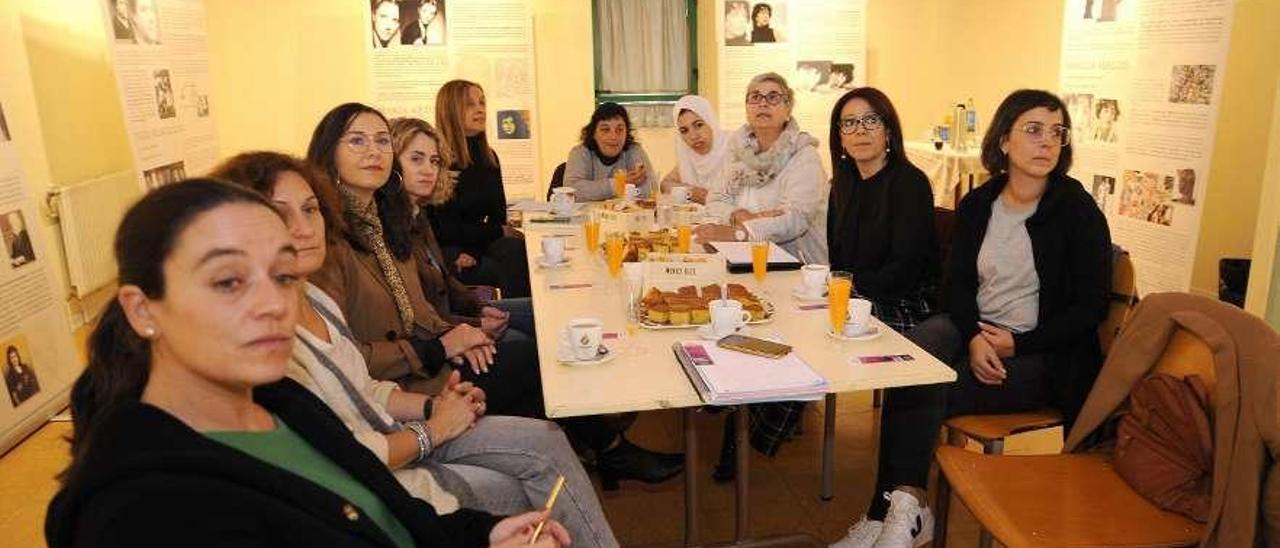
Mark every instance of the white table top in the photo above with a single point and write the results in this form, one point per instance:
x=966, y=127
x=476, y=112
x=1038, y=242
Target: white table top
x=651, y=378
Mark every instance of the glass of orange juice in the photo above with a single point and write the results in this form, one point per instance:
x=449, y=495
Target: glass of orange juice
x=591, y=232
x=839, y=287
x=759, y=259
x=615, y=249
x=684, y=238
x=619, y=183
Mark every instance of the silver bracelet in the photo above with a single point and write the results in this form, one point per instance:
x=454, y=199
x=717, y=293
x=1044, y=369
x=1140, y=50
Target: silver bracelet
x=425, y=443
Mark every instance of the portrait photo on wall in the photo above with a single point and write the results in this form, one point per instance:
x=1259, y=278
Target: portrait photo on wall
x=422, y=22
x=1101, y=11
x=4, y=127
x=1186, y=187
x=737, y=23
x=1080, y=106
x=767, y=21
x=144, y=21
x=165, y=107
x=513, y=124
x=1106, y=116
x=19, y=374
x=1103, y=187
x=159, y=176
x=17, y=239
x=385, y=18
x=1191, y=84
x=121, y=19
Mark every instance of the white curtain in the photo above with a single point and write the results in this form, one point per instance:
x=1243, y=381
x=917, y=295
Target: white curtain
x=644, y=46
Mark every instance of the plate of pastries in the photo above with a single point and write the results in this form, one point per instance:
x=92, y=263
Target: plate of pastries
x=688, y=306
x=640, y=244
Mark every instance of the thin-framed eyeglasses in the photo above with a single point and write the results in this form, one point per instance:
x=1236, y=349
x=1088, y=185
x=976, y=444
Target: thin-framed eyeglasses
x=773, y=98
x=1057, y=134
x=869, y=122
x=360, y=142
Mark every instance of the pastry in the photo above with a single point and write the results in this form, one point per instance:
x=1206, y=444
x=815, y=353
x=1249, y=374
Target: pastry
x=657, y=313
x=678, y=314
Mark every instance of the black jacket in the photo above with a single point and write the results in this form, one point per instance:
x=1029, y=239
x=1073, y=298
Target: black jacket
x=150, y=480
x=1071, y=245
x=474, y=217
x=881, y=230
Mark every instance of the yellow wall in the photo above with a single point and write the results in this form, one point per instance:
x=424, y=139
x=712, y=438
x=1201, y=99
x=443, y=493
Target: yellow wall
x=1240, y=148
x=1263, y=298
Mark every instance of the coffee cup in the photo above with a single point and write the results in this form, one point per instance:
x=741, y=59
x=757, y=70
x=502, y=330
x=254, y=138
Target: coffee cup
x=553, y=249
x=814, y=279
x=858, y=321
x=562, y=200
x=632, y=192
x=727, y=316
x=680, y=195
x=585, y=335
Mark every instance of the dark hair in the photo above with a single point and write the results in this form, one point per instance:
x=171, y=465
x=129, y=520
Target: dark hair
x=606, y=111
x=12, y=351
x=841, y=163
x=391, y=199
x=1112, y=103
x=120, y=359
x=759, y=8
x=261, y=170
x=1001, y=125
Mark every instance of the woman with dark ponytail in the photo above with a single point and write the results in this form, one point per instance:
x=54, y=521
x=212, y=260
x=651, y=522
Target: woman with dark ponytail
x=186, y=434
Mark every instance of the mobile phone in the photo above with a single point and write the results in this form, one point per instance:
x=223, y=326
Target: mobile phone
x=752, y=345
x=884, y=359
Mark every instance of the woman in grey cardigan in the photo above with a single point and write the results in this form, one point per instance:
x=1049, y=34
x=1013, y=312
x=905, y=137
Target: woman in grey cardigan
x=608, y=145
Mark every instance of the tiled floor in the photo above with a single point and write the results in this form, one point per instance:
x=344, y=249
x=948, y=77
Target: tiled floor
x=784, y=490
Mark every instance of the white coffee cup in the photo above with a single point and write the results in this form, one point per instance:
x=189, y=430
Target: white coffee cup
x=585, y=335
x=814, y=278
x=632, y=192
x=553, y=249
x=680, y=195
x=562, y=200
x=858, y=321
x=727, y=316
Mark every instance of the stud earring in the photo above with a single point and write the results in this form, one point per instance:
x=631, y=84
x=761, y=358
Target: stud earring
x=149, y=332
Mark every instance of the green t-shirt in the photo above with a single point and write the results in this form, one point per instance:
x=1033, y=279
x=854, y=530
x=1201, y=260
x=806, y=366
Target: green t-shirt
x=285, y=449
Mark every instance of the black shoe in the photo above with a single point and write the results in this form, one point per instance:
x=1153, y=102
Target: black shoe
x=629, y=461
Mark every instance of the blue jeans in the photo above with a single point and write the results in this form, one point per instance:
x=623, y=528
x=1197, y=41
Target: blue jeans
x=521, y=319
x=508, y=465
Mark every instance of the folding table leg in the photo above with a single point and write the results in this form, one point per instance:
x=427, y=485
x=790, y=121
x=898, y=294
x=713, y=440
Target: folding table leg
x=828, y=446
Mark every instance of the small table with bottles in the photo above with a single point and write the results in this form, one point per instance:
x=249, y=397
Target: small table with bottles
x=949, y=170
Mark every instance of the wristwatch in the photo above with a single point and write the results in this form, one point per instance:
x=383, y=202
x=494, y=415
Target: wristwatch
x=740, y=235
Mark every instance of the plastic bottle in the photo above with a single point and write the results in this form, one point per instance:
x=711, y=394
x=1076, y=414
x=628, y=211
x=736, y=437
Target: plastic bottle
x=958, y=140
x=971, y=120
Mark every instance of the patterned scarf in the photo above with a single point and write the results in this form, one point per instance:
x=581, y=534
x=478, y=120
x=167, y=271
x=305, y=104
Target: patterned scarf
x=751, y=169
x=368, y=228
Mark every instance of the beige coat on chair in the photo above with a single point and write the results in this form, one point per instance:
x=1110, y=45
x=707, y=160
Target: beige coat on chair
x=1245, y=391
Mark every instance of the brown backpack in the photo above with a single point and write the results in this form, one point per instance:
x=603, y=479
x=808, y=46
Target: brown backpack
x=1164, y=445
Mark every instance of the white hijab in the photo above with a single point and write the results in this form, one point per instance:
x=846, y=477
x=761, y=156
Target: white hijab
x=700, y=169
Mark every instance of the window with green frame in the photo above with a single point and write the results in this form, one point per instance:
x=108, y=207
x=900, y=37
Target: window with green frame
x=645, y=51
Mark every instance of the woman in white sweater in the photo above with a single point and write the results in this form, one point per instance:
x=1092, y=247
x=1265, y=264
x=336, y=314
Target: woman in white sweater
x=773, y=186
x=443, y=448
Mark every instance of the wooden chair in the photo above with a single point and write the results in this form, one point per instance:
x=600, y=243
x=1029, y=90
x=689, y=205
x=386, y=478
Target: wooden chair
x=991, y=430
x=1071, y=499
x=557, y=180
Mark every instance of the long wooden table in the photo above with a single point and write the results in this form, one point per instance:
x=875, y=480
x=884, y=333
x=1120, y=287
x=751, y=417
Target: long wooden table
x=651, y=378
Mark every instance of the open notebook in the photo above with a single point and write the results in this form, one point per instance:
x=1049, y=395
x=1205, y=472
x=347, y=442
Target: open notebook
x=737, y=257
x=726, y=377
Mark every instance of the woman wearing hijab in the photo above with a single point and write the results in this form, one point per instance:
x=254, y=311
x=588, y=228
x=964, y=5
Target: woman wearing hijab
x=700, y=150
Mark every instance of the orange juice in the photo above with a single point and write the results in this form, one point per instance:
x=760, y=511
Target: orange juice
x=759, y=259
x=591, y=230
x=619, y=183
x=614, y=251
x=684, y=237
x=839, y=287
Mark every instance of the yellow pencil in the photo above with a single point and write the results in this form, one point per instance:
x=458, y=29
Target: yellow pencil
x=551, y=501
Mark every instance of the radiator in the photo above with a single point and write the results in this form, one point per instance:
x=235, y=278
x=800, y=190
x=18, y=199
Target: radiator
x=88, y=214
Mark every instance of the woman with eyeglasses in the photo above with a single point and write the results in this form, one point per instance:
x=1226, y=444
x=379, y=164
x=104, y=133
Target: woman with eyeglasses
x=880, y=211
x=1028, y=279
x=773, y=184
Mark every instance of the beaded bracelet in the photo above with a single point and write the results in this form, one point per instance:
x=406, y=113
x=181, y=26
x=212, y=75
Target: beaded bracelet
x=425, y=443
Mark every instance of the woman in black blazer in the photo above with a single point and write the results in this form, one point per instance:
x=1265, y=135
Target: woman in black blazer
x=186, y=434
x=1028, y=279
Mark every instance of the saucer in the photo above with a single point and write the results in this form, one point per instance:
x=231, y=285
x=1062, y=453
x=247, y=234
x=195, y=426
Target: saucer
x=807, y=297
x=705, y=332
x=542, y=262
x=871, y=333
x=565, y=356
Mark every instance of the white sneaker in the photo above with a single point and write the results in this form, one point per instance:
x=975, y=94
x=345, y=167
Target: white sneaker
x=907, y=524
x=862, y=535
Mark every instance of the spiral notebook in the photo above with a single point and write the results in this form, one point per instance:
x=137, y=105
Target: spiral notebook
x=726, y=377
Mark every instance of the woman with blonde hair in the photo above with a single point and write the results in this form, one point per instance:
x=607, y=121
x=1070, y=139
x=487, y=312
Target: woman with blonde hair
x=472, y=225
